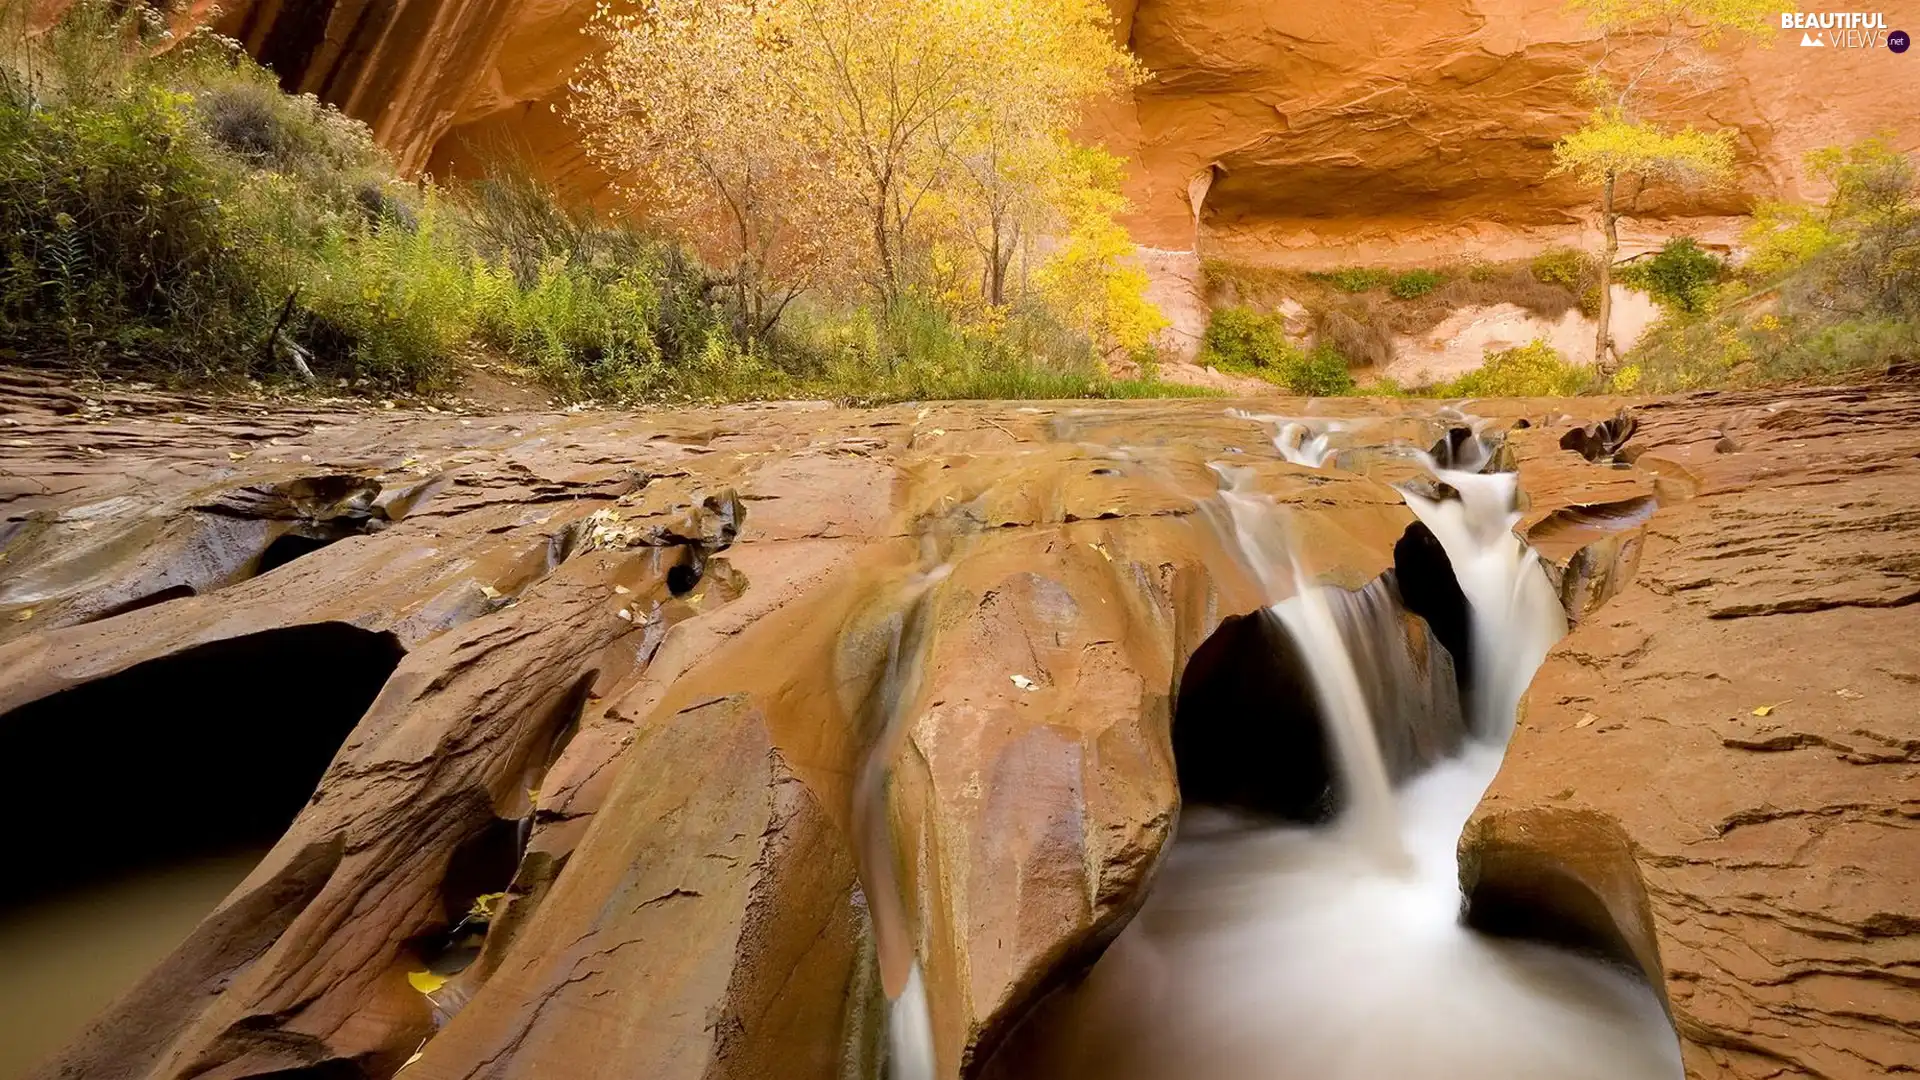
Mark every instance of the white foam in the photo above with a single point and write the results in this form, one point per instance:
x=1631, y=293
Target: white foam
x=910, y=1032
x=1291, y=954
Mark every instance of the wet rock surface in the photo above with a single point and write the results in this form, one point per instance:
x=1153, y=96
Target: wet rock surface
x=709, y=724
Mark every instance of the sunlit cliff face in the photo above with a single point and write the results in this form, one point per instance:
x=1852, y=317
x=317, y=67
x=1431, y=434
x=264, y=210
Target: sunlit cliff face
x=1303, y=128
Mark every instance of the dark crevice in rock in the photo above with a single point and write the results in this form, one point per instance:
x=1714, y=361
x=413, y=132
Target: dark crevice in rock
x=1531, y=897
x=152, y=599
x=478, y=875
x=1548, y=905
x=683, y=577
x=1428, y=587
x=1602, y=442
x=1246, y=729
x=334, y=1069
x=288, y=547
x=208, y=750
x=493, y=883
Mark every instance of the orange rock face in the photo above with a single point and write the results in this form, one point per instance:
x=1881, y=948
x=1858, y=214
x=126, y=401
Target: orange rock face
x=681, y=737
x=1418, y=129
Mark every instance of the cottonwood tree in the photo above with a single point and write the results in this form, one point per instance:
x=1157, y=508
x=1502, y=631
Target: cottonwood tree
x=686, y=110
x=909, y=99
x=1646, y=43
x=847, y=135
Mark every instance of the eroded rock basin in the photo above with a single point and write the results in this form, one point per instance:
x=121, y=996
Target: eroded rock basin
x=707, y=732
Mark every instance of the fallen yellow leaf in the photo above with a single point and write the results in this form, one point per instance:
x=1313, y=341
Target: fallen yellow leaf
x=426, y=981
x=235, y=456
x=490, y=592
x=1585, y=719
x=23, y=615
x=1767, y=710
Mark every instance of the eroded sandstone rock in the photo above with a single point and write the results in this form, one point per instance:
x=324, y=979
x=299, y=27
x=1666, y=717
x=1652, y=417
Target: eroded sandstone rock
x=724, y=719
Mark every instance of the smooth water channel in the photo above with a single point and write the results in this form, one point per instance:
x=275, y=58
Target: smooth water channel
x=1282, y=952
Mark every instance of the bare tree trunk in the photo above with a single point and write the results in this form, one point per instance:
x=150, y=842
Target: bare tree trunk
x=996, y=268
x=1604, y=359
x=884, y=248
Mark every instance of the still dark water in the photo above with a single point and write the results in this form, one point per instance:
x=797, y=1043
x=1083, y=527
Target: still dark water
x=65, y=957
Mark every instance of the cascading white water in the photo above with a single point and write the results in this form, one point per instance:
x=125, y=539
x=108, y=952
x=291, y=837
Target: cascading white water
x=1297, y=443
x=1292, y=953
x=1368, y=791
x=1511, y=604
x=1296, y=440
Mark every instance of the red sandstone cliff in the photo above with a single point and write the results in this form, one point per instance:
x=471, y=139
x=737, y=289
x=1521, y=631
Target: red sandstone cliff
x=1409, y=126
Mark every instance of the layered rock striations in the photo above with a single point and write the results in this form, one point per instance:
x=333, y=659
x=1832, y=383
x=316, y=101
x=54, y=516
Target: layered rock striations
x=701, y=736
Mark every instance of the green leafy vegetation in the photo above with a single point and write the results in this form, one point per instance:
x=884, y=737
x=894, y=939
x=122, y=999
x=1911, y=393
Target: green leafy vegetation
x=1828, y=290
x=1246, y=342
x=1569, y=268
x=167, y=211
x=1415, y=283
x=1680, y=275
x=1353, y=279
x=1535, y=369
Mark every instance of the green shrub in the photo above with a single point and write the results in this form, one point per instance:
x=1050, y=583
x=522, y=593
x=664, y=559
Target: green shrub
x=1353, y=279
x=1679, y=276
x=1242, y=340
x=1415, y=283
x=1322, y=372
x=1531, y=370
x=392, y=304
x=1248, y=343
x=1569, y=268
x=115, y=238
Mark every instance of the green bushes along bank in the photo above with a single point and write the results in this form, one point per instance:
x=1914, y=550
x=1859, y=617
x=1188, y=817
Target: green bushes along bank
x=167, y=211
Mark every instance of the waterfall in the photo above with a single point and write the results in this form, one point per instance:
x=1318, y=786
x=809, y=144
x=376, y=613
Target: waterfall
x=1511, y=604
x=1285, y=952
x=1296, y=440
x=1297, y=443
x=1369, y=812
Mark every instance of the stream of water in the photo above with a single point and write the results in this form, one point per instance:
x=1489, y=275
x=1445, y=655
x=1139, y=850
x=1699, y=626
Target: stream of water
x=1338, y=953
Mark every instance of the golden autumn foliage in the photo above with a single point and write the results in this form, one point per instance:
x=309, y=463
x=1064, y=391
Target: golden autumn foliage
x=903, y=148
x=1645, y=42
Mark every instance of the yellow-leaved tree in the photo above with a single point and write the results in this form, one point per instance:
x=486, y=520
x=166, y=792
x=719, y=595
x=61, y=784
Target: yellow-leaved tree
x=1090, y=277
x=686, y=111
x=875, y=141
x=1644, y=43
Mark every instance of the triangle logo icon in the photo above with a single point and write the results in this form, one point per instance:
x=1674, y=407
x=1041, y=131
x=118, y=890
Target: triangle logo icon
x=1808, y=40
